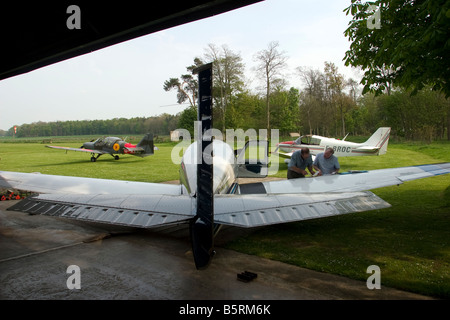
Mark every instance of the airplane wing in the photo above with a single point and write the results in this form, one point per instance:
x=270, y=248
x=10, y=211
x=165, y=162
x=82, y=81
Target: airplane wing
x=148, y=211
x=310, y=198
x=116, y=202
x=287, y=155
x=283, y=154
x=262, y=204
x=355, y=180
x=77, y=149
x=45, y=183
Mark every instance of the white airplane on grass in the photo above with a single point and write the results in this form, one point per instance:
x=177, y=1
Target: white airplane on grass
x=374, y=146
x=209, y=194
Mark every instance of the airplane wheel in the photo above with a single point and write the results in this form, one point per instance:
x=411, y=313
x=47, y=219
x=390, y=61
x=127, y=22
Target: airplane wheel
x=93, y=159
x=116, y=157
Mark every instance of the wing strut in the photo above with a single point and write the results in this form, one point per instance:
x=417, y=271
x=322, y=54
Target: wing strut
x=201, y=227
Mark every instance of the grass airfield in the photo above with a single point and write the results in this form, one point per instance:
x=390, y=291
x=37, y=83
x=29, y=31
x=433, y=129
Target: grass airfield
x=410, y=241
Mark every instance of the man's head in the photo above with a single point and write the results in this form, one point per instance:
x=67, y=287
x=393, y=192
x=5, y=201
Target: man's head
x=305, y=153
x=328, y=153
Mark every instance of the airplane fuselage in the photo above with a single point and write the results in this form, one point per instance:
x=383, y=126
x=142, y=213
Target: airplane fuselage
x=224, y=168
x=341, y=148
x=111, y=145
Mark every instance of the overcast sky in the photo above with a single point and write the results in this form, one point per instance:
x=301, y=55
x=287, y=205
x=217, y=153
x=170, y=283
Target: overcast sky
x=126, y=80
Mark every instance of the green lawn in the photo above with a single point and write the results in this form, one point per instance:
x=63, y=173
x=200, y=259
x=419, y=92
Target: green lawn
x=35, y=157
x=410, y=241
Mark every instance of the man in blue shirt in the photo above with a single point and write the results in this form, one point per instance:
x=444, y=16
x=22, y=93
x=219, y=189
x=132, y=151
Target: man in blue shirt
x=300, y=160
x=326, y=162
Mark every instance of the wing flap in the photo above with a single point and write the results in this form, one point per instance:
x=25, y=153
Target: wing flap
x=143, y=211
x=258, y=210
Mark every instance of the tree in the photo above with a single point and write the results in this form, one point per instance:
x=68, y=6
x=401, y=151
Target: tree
x=418, y=117
x=312, y=99
x=270, y=63
x=186, y=86
x=411, y=43
x=285, y=110
x=336, y=84
x=246, y=111
x=411, y=40
x=228, y=73
x=187, y=119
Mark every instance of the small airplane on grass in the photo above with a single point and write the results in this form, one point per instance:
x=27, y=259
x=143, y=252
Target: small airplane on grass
x=209, y=195
x=374, y=146
x=115, y=146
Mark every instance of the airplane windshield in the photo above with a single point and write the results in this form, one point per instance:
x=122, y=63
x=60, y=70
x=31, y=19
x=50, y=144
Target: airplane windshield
x=99, y=142
x=111, y=139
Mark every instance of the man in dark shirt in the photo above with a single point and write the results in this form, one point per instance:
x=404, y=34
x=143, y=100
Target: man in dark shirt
x=300, y=160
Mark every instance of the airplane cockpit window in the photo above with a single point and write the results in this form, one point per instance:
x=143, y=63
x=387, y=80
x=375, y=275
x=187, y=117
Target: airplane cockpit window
x=99, y=143
x=308, y=140
x=110, y=141
x=303, y=140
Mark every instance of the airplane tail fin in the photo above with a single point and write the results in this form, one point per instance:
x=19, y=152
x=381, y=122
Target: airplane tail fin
x=380, y=139
x=147, y=144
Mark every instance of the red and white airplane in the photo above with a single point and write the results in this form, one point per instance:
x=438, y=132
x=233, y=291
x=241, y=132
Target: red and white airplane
x=115, y=146
x=374, y=146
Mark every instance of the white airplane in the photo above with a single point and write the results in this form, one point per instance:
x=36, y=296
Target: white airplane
x=374, y=146
x=209, y=195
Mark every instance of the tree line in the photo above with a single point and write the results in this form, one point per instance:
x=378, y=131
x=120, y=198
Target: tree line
x=327, y=104
x=159, y=125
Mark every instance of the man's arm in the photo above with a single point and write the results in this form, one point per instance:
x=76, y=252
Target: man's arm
x=318, y=170
x=298, y=170
x=316, y=164
x=336, y=165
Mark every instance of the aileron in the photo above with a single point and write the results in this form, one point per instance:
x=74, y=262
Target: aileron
x=125, y=210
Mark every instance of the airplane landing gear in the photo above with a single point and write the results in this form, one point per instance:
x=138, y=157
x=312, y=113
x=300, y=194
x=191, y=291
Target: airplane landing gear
x=116, y=157
x=94, y=158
